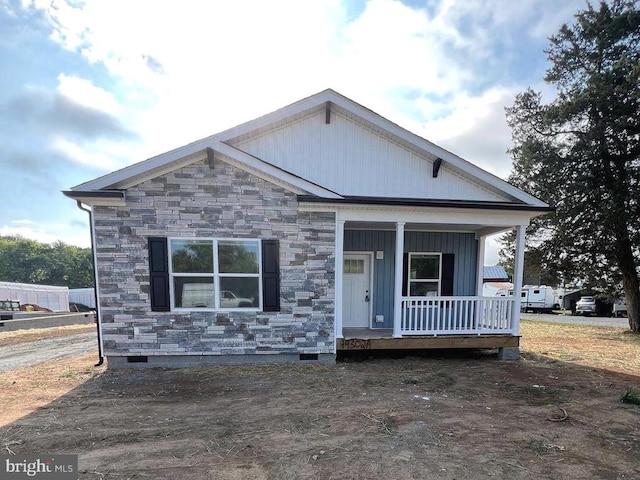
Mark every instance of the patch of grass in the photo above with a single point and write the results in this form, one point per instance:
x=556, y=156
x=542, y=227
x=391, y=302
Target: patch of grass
x=631, y=395
x=540, y=395
x=605, y=440
x=374, y=382
x=609, y=348
x=537, y=446
x=389, y=424
x=69, y=373
x=440, y=380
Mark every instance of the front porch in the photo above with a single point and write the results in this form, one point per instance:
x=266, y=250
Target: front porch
x=417, y=283
x=441, y=323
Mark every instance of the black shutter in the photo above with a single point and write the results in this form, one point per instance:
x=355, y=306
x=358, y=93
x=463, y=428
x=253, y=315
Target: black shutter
x=159, y=274
x=270, y=276
x=446, y=287
x=405, y=273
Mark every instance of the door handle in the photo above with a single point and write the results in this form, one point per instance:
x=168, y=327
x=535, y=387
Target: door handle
x=366, y=296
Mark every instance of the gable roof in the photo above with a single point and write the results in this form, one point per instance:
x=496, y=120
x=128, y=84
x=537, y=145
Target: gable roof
x=229, y=146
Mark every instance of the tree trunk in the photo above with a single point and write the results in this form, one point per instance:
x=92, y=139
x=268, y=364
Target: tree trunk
x=629, y=272
x=632, y=296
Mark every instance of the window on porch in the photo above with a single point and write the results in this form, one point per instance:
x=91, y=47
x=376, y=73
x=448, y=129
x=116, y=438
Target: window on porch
x=424, y=274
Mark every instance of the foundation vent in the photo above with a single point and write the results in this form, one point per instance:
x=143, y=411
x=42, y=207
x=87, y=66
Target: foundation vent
x=138, y=359
x=308, y=356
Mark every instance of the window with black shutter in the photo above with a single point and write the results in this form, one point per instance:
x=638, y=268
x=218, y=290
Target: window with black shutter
x=214, y=274
x=428, y=274
x=270, y=276
x=159, y=274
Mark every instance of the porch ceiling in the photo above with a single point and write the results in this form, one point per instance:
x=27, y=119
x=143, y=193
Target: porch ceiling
x=431, y=227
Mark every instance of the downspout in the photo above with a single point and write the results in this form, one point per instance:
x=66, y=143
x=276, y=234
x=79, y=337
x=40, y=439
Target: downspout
x=95, y=284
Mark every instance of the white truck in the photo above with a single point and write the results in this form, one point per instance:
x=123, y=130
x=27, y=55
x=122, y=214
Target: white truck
x=535, y=298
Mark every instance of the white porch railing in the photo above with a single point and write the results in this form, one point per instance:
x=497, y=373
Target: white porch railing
x=457, y=316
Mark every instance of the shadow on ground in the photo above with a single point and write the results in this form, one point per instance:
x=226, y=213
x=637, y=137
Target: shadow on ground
x=447, y=416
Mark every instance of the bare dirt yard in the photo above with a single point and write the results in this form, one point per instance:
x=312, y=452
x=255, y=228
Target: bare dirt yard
x=555, y=414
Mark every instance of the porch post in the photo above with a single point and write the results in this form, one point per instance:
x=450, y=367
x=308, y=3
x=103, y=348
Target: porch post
x=397, y=296
x=518, y=274
x=339, y=274
x=480, y=268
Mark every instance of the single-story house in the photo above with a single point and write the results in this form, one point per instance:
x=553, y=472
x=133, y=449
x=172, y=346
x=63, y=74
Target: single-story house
x=317, y=228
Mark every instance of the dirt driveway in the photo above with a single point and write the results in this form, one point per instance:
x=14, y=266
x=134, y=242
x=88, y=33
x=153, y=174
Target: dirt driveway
x=44, y=349
x=555, y=414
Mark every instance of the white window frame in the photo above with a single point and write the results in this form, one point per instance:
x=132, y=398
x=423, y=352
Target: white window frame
x=410, y=280
x=216, y=275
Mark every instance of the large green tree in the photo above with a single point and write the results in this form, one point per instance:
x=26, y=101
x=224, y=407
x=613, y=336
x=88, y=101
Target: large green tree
x=581, y=151
x=27, y=261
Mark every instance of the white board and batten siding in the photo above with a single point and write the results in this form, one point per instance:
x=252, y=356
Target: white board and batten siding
x=348, y=157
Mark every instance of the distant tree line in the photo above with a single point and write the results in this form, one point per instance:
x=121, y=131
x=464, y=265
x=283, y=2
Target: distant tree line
x=27, y=261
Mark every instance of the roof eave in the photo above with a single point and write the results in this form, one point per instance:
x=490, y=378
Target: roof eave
x=427, y=202
x=97, y=197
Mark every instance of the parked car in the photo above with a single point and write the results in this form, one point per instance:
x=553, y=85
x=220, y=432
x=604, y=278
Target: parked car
x=619, y=308
x=586, y=306
x=10, y=305
x=229, y=299
x=201, y=295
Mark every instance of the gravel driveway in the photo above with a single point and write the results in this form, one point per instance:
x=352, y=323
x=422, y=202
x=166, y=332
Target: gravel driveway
x=32, y=353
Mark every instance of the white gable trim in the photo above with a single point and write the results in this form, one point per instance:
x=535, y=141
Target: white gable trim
x=230, y=155
x=319, y=101
x=315, y=102
x=429, y=147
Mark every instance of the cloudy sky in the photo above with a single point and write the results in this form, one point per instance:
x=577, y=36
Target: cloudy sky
x=89, y=87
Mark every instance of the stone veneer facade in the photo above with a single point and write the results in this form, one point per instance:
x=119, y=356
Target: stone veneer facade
x=223, y=202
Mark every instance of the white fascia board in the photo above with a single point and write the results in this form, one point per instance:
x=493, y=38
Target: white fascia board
x=101, y=202
x=262, y=168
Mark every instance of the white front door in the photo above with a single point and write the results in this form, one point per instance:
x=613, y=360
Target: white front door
x=356, y=290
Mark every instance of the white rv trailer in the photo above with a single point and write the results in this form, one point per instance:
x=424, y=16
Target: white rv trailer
x=535, y=298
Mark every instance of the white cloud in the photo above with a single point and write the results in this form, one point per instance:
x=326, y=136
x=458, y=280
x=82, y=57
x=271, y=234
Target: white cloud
x=97, y=155
x=84, y=92
x=180, y=71
x=491, y=249
x=49, y=233
x=184, y=71
x=476, y=129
